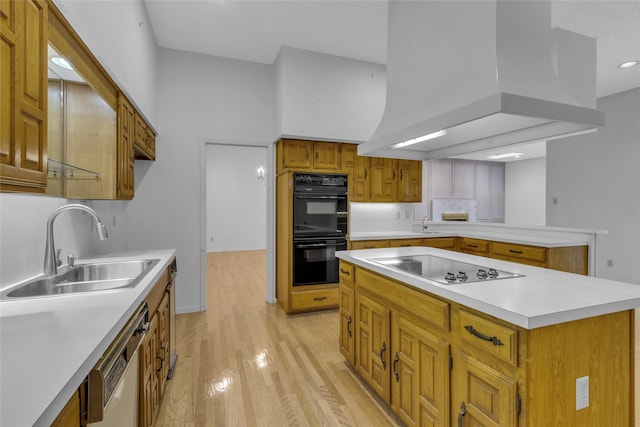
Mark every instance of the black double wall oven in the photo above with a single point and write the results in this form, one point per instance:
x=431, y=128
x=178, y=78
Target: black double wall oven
x=319, y=227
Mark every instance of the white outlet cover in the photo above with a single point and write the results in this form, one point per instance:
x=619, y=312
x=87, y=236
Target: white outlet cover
x=582, y=393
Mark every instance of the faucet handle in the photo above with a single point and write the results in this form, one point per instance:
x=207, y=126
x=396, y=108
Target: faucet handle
x=71, y=260
x=58, y=260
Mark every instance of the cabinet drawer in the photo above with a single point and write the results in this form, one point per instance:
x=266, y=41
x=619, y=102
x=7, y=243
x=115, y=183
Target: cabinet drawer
x=532, y=253
x=369, y=244
x=347, y=272
x=475, y=246
x=401, y=243
x=312, y=300
x=419, y=304
x=490, y=337
x=441, y=242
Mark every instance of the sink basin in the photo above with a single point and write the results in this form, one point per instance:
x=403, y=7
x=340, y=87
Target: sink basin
x=93, y=277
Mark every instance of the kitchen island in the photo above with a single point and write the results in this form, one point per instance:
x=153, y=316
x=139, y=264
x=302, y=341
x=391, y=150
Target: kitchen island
x=542, y=348
x=48, y=345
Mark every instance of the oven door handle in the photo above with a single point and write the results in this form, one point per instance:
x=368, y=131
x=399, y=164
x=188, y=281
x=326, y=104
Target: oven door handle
x=310, y=196
x=317, y=245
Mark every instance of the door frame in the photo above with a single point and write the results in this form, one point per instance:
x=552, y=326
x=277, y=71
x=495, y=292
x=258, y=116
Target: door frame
x=269, y=179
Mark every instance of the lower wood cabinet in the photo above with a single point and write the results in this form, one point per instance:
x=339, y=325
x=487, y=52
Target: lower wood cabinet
x=430, y=360
x=70, y=414
x=420, y=374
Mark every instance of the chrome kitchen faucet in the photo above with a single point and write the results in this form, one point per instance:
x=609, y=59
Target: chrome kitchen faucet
x=51, y=256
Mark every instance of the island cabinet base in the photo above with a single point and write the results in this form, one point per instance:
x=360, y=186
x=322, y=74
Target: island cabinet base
x=439, y=363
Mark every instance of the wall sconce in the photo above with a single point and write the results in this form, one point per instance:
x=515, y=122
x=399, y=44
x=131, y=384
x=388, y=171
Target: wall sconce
x=260, y=173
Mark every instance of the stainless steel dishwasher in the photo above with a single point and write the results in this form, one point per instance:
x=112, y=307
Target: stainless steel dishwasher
x=112, y=396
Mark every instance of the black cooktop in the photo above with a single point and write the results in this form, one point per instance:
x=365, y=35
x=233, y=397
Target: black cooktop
x=444, y=270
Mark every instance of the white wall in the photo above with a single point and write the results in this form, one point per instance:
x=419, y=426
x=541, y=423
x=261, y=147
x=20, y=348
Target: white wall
x=120, y=36
x=236, y=198
x=594, y=179
x=200, y=97
x=327, y=97
x=23, y=235
x=525, y=192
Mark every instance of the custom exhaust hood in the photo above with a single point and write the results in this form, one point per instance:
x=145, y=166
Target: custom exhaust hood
x=466, y=76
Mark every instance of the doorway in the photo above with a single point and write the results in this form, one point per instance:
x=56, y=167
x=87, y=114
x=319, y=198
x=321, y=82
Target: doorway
x=237, y=209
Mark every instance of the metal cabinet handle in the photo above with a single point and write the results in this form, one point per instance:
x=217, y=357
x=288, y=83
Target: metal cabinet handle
x=320, y=298
x=472, y=245
x=495, y=340
x=513, y=251
x=395, y=366
x=382, y=350
x=345, y=272
x=394, y=174
x=401, y=174
x=349, y=326
x=463, y=412
x=365, y=173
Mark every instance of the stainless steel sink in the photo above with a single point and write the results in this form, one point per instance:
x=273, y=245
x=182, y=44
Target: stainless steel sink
x=92, y=277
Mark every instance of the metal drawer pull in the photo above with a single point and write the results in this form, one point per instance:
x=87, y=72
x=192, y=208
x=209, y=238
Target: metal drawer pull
x=320, y=298
x=395, y=366
x=513, y=251
x=472, y=245
x=463, y=412
x=495, y=340
x=346, y=272
x=382, y=350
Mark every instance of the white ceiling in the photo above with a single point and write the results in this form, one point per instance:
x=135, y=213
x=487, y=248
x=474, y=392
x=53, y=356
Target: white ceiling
x=255, y=30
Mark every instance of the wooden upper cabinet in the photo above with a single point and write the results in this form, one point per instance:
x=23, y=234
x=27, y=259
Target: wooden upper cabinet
x=23, y=96
x=384, y=175
x=410, y=180
x=326, y=155
x=144, y=142
x=125, y=152
x=296, y=154
x=348, y=153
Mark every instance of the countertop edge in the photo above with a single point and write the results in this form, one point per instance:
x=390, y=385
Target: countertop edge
x=166, y=256
x=449, y=293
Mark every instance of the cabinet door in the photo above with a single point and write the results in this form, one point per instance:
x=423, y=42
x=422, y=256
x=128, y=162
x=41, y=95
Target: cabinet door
x=347, y=322
x=373, y=345
x=421, y=375
x=326, y=155
x=441, y=179
x=409, y=181
x=163, y=343
x=359, y=180
x=149, y=398
x=383, y=179
x=348, y=153
x=125, y=152
x=296, y=154
x=463, y=179
x=23, y=96
x=488, y=398
x=489, y=191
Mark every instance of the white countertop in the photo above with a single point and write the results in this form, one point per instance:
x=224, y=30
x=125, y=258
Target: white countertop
x=48, y=345
x=543, y=297
x=542, y=241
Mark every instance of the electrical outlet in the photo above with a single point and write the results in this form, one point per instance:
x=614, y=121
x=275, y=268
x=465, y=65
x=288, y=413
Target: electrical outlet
x=555, y=201
x=609, y=263
x=211, y=239
x=397, y=214
x=582, y=393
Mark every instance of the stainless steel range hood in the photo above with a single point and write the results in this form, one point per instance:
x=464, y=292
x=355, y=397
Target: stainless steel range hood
x=486, y=73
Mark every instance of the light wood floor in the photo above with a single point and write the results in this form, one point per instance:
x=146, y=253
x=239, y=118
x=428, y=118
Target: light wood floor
x=244, y=363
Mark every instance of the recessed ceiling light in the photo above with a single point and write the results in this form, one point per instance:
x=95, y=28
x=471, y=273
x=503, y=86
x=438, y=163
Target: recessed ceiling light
x=61, y=62
x=504, y=156
x=420, y=139
x=628, y=64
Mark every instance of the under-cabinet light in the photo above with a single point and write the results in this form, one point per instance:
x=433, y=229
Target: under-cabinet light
x=504, y=156
x=629, y=64
x=420, y=139
x=61, y=62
